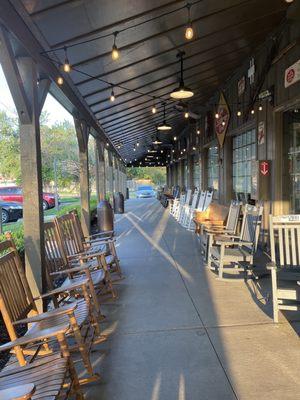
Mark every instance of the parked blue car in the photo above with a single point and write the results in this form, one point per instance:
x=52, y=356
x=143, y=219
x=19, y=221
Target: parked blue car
x=145, y=192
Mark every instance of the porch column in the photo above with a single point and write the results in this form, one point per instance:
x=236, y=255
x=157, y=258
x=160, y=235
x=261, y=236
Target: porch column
x=110, y=173
x=29, y=97
x=82, y=133
x=101, y=172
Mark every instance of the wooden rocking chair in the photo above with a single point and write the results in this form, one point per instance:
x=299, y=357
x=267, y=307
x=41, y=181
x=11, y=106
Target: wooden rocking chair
x=17, y=301
x=98, y=241
x=230, y=250
x=285, y=265
x=210, y=231
x=93, y=251
x=49, y=377
x=188, y=211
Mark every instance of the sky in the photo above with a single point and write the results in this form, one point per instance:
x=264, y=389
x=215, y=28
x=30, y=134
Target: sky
x=55, y=111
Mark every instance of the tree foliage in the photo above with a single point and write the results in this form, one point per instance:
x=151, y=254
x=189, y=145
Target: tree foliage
x=59, y=147
x=156, y=174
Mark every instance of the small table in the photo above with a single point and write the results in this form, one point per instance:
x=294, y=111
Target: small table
x=23, y=392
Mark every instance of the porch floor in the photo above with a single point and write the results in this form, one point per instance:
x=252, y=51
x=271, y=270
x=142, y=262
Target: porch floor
x=176, y=333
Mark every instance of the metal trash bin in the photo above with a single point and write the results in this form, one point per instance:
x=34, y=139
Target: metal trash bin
x=127, y=193
x=105, y=216
x=119, y=203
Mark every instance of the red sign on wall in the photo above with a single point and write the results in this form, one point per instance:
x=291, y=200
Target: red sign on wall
x=264, y=167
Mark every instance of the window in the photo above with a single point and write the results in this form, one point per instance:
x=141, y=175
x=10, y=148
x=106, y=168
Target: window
x=197, y=172
x=244, y=151
x=213, y=170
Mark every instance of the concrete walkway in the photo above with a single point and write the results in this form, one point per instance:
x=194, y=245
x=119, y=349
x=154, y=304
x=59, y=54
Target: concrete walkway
x=176, y=333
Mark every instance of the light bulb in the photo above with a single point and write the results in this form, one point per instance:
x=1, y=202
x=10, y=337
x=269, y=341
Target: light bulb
x=194, y=148
x=112, y=96
x=153, y=110
x=260, y=108
x=115, y=52
x=186, y=114
x=134, y=149
x=223, y=123
x=198, y=131
x=175, y=138
x=189, y=32
x=60, y=80
x=239, y=113
x=217, y=116
x=137, y=144
x=107, y=144
x=252, y=112
x=67, y=66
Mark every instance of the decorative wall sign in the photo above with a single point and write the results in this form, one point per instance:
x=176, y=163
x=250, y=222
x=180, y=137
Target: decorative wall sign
x=261, y=133
x=292, y=74
x=221, y=123
x=251, y=71
x=264, y=168
x=241, y=85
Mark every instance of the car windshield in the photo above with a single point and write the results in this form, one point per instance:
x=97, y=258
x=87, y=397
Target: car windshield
x=145, y=188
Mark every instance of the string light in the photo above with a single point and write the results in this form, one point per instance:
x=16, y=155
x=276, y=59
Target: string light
x=217, y=116
x=239, y=113
x=175, y=138
x=198, y=131
x=252, y=112
x=107, y=144
x=112, y=95
x=153, y=108
x=194, y=148
x=186, y=114
x=137, y=144
x=189, y=32
x=260, y=108
x=115, y=51
x=66, y=65
x=60, y=80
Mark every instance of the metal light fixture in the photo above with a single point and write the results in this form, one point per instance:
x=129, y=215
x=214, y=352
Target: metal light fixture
x=181, y=92
x=189, y=32
x=153, y=107
x=164, y=126
x=115, y=51
x=60, y=80
x=157, y=141
x=66, y=65
x=112, y=95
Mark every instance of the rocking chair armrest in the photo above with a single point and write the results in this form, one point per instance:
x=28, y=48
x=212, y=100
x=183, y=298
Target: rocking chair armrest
x=101, y=241
x=69, y=288
x=37, y=336
x=271, y=265
x=77, y=268
x=227, y=243
x=85, y=255
x=217, y=231
x=64, y=310
x=105, y=234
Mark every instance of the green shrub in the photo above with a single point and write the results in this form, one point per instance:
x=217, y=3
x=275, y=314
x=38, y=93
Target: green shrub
x=17, y=230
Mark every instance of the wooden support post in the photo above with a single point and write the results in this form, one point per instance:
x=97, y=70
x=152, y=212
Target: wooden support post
x=110, y=173
x=101, y=174
x=29, y=94
x=82, y=132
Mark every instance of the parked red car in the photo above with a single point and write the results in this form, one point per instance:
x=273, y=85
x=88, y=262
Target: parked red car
x=14, y=193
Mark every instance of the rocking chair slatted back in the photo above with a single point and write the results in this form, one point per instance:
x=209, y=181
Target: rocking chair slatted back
x=208, y=200
x=285, y=239
x=233, y=216
x=195, y=199
x=201, y=201
x=16, y=300
x=251, y=224
x=188, y=197
x=69, y=235
x=55, y=256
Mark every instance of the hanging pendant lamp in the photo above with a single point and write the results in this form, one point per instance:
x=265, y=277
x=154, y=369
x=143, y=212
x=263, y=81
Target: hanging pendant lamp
x=181, y=92
x=156, y=141
x=164, y=126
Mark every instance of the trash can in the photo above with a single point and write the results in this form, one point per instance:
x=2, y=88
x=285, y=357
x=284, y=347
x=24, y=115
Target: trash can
x=105, y=216
x=127, y=193
x=119, y=203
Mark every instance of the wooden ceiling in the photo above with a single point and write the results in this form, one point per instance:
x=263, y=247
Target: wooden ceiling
x=226, y=32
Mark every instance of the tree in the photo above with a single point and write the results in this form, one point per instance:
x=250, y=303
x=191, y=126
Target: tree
x=156, y=174
x=9, y=148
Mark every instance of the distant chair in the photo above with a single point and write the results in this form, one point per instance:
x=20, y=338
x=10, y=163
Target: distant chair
x=285, y=265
